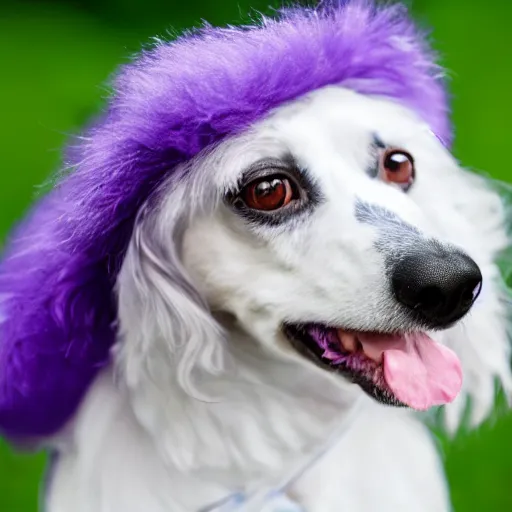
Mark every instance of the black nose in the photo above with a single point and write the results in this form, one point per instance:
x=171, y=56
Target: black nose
x=440, y=286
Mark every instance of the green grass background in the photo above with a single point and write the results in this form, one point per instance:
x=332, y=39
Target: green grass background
x=54, y=58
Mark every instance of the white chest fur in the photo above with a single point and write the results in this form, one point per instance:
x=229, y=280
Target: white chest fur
x=385, y=460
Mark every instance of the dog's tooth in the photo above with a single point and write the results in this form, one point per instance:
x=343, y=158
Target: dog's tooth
x=348, y=341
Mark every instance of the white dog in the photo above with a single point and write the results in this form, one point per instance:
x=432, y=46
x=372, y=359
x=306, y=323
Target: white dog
x=180, y=433
x=281, y=293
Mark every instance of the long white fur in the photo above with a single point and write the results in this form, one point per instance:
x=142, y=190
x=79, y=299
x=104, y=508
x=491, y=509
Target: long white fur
x=205, y=396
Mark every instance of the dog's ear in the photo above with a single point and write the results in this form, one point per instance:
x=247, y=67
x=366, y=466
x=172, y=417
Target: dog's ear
x=169, y=345
x=482, y=340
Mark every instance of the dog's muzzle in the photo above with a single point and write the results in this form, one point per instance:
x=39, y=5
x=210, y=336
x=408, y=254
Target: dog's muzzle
x=439, y=286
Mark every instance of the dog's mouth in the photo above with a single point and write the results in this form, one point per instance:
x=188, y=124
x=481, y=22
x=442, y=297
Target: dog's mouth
x=408, y=369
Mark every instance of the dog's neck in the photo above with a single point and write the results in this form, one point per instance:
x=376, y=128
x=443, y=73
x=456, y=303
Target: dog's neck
x=271, y=418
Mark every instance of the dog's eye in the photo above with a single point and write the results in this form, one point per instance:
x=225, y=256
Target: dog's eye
x=397, y=166
x=272, y=191
x=269, y=193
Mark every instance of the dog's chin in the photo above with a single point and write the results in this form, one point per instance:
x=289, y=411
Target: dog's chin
x=331, y=350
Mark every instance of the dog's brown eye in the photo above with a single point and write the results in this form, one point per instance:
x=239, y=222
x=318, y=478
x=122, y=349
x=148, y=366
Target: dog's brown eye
x=268, y=193
x=397, y=166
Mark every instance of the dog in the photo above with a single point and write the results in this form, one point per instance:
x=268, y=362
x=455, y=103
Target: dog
x=260, y=323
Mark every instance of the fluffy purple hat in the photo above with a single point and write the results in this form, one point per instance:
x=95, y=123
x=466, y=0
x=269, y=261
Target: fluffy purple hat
x=57, y=306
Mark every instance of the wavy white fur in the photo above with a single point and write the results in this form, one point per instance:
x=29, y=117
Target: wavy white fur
x=206, y=397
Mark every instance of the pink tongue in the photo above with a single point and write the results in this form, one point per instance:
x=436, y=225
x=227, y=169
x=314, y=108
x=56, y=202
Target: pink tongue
x=420, y=372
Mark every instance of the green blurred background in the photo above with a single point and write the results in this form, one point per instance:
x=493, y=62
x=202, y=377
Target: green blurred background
x=55, y=58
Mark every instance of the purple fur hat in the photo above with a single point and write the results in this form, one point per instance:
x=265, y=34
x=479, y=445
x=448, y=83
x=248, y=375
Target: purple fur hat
x=57, y=306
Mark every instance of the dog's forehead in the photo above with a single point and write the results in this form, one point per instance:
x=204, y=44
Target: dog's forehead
x=329, y=123
x=340, y=116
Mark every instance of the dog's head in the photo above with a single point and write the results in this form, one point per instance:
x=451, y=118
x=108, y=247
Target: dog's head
x=338, y=234
x=265, y=214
